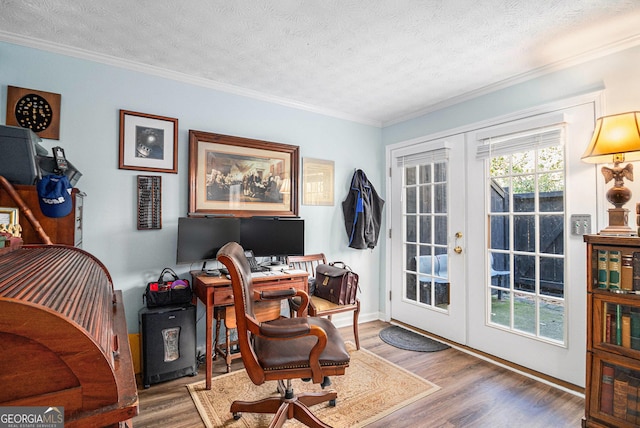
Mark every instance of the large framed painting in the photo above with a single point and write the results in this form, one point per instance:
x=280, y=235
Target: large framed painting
x=242, y=177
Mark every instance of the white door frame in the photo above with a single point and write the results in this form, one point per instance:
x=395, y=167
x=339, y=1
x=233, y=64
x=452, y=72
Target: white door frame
x=596, y=211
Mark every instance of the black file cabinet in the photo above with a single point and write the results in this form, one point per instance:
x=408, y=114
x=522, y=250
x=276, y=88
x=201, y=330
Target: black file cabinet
x=168, y=337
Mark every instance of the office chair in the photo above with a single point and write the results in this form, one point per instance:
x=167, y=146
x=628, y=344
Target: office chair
x=308, y=348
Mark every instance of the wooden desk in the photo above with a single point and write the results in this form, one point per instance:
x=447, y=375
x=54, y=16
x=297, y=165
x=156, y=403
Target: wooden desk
x=216, y=291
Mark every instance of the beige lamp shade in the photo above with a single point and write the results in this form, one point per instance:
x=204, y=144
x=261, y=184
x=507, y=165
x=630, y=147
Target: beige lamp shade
x=618, y=134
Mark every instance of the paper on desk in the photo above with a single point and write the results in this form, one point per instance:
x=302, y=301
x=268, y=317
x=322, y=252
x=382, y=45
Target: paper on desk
x=257, y=274
x=294, y=271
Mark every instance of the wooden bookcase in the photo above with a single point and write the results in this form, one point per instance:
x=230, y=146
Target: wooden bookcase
x=613, y=332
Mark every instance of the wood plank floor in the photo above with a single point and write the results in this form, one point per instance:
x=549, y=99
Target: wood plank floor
x=475, y=393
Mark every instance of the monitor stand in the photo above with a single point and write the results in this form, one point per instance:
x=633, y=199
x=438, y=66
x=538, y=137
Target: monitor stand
x=275, y=264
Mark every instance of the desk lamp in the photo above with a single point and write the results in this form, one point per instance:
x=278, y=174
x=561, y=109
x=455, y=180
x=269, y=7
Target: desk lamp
x=616, y=138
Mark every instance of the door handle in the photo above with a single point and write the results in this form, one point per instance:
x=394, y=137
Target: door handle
x=457, y=249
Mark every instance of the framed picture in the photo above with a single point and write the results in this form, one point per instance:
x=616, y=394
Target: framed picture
x=148, y=142
x=10, y=220
x=9, y=215
x=317, y=181
x=242, y=177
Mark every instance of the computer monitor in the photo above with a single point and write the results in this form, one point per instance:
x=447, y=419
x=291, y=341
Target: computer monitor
x=272, y=236
x=200, y=238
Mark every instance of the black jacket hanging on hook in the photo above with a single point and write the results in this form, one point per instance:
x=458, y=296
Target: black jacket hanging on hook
x=362, y=212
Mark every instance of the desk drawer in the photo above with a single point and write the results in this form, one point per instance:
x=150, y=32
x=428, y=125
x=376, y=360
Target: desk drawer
x=223, y=296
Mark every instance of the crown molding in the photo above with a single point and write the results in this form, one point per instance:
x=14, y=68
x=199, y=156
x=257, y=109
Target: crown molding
x=577, y=59
x=47, y=46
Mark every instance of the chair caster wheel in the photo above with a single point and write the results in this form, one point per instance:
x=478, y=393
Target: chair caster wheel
x=332, y=403
x=237, y=416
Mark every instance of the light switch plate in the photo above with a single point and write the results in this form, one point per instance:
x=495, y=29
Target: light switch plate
x=580, y=224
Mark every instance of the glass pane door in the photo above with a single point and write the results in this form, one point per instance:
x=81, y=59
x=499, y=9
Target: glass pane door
x=427, y=284
x=526, y=271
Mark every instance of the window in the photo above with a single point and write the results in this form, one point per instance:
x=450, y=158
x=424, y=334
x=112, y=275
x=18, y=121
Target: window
x=425, y=212
x=526, y=216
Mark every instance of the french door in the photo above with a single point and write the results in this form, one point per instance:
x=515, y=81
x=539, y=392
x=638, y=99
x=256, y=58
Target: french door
x=428, y=236
x=497, y=203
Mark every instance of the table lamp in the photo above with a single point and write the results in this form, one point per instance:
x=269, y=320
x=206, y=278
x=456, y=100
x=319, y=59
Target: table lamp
x=616, y=139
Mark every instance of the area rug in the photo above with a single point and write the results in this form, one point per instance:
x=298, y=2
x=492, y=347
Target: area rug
x=371, y=389
x=409, y=340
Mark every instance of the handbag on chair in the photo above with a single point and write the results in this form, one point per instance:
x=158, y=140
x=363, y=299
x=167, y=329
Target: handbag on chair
x=337, y=283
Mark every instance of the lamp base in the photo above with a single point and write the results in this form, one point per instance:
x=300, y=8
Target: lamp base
x=618, y=219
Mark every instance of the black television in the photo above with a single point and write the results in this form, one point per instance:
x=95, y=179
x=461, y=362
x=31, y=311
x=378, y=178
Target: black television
x=272, y=236
x=20, y=148
x=200, y=238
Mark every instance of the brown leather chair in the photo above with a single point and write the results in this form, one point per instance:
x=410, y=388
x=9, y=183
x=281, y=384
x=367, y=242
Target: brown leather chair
x=307, y=348
x=319, y=307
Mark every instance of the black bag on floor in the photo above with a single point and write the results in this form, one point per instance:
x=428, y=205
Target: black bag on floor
x=174, y=291
x=337, y=283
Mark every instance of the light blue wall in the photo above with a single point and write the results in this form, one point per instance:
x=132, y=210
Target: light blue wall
x=92, y=95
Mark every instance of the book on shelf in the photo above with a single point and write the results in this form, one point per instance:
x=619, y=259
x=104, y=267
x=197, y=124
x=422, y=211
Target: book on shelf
x=636, y=271
x=618, y=334
x=626, y=272
x=626, y=331
x=634, y=315
x=606, y=389
x=612, y=323
x=632, y=400
x=614, y=269
x=603, y=269
x=620, y=388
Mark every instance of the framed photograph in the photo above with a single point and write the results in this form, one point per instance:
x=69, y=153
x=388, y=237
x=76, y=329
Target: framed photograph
x=243, y=177
x=317, y=181
x=148, y=142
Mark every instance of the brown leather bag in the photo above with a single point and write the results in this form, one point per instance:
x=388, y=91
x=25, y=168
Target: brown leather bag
x=336, y=284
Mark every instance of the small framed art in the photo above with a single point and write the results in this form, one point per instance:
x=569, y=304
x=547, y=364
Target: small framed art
x=317, y=182
x=148, y=142
x=10, y=221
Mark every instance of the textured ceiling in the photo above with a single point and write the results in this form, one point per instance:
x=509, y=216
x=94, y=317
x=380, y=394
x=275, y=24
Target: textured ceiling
x=375, y=61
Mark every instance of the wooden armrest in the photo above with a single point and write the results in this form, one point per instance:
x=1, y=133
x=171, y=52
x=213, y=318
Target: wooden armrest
x=304, y=303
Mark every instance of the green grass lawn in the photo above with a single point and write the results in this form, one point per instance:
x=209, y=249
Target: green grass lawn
x=551, y=315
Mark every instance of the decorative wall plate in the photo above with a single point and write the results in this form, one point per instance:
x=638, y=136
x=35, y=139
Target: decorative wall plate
x=35, y=110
